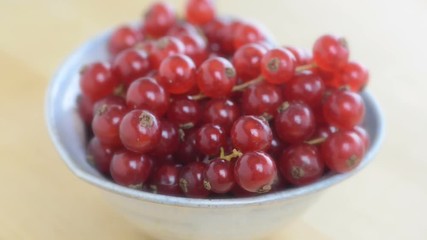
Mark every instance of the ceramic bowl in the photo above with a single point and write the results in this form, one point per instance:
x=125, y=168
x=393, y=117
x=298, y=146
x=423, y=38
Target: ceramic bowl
x=165, y=217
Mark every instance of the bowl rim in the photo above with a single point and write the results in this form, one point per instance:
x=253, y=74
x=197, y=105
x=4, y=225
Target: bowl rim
x=105, y=184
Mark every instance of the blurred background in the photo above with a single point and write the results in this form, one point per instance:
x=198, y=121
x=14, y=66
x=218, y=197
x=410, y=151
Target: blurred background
x=41, y=199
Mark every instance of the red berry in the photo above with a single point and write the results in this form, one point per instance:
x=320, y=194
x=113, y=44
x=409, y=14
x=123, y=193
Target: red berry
x=184, y=112
x=261, y=100
x=212, y=32
x=108, y=113
x=199, y=12
x=302, y=56
x=210, y=138
x=216, y=77
x=330, y=52
x=307, y=87
x=219, y=176
x=255, y=172
x=295, y=123
x=301, y=164
x=195, y=47
x=177, y=74
x=130, y=169
x=99, y=155
x=182, y=28
x=221, y=112
x=344, y=109
x=247, y=61
x=353, y=75
x=191, y=181
x=97, y=81
x=278, y=66
x=187, y=151
x=85, y=108
x=140, y=131
x=364, y=136
x=146, y=93
x=169, y=140
x=250, y=133
x=166, y=180
x=276, y=147
x=342, y=151
x=122, y=38
x=226, y=35
x=247, y=33
x=158, y=19
x=163, y=48
x=130, y=65
x=323, y=131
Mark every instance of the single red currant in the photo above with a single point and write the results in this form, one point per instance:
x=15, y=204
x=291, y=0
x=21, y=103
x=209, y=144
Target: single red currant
x=185, y=113
x=307, y=87
x=210, y=138
x=353, y=75
x=199, y=12
x=191, y=181
x=158, y=19
x=247, y=61
x=140, y=131
x=301, y=164
x=250, y=133
x=344, y=109
x=342, y=151
x=100, y=156
x=177, y=74
x=302, y=56
x=169, y=140
x=130, y=169
x=295, y=122
x=146, y=93
x=130, y=65
x=122, y=38
x=163, y=48
x=278, y=66
x=97, y=81
x=247, y=33
x=219, y=176
x=221, y=112
x=330, y=52
x=255, y=172
x=216, y=77
x=261, y=100
x=166, y=180
x=195, y=47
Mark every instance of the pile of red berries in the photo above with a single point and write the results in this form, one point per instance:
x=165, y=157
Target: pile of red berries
x=207, y=105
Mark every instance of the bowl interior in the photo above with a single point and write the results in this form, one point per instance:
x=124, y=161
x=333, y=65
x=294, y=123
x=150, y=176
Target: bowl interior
x=67, y=132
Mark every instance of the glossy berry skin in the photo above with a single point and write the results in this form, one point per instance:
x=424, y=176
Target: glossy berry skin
x=100, y=156
x=216, y=77
x=219, y=176
x=255, y=172
x=85, y=108
x=184, y=112
x=169, y=140
x=221, y=112
x=182, y=28
x=295, y=123
x=199, y=12
x=353, y=75
x=226, y=36
x=130, y=169
x=158, y=19
x=146, y=93
x=140, y=131
x=342, y=151
x=276, y=147
x=247, y=61
x=210, y=138
x=247, y=33
x=344, y=109
x=97, y=81
x=330, y=52
x=163, y=48
x=177, y=74
x=278, y=66
x=307, y=87
x=212, y=31
x=364, y=136
x=108, y=114
x=301, y=165
x=250, y=133
x=166, y=180
x=195, y=47
x=302, y=56
x=187, y=151
x=261, y=100
x=130, y=65
x=191, y=178
x=122, y=38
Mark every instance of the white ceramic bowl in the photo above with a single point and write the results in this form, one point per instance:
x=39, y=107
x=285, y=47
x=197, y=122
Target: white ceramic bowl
x=165, y=217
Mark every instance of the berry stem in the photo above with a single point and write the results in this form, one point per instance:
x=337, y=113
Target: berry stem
x=302, y=68
x=235, y=153
x=316, y=141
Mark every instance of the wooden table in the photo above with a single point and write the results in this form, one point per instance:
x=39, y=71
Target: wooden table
x=41, y=199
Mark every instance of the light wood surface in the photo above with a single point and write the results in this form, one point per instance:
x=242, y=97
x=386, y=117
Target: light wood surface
x=41, y=199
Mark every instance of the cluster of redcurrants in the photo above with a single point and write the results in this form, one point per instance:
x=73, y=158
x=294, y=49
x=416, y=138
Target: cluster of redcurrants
x=207, y=106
